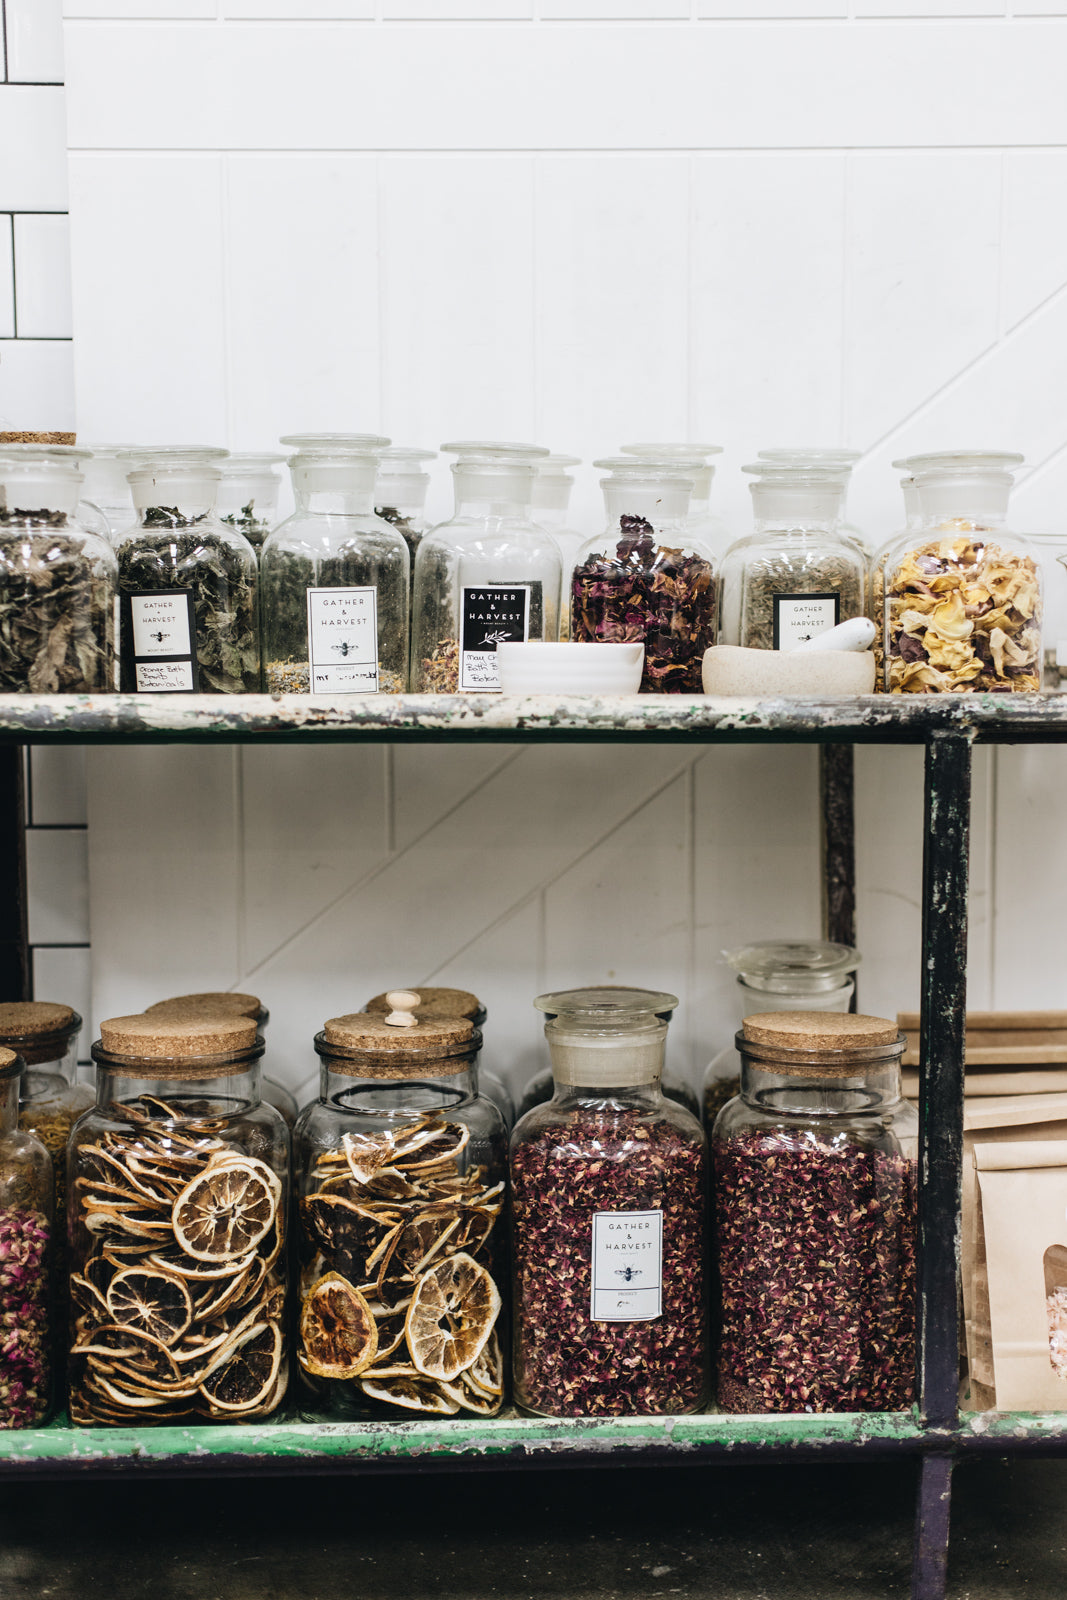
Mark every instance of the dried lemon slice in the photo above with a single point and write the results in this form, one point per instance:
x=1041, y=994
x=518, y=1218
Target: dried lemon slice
x=451, y=1315
x=485, y=1375
x=414, y=1394
x=225, y=1212
x=152, y=1302
x=245, y=1381
x=338, y=1334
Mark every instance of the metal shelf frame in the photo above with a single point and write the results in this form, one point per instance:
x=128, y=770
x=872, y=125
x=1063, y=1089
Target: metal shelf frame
x=935, y=1432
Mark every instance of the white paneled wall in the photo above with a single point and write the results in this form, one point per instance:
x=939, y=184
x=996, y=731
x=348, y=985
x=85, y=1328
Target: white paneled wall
x=752, y=221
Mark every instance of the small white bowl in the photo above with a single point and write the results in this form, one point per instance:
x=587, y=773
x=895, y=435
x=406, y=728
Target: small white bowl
x=540, y=668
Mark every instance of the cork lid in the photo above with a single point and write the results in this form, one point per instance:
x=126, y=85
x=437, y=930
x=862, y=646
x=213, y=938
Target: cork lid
x=436, y=1002
x=818, y=1030
x=175, y=1040
x=38, y=438
x=11, y=1064
x=396, y=1043
x=220, y=1002
x=29, y=1019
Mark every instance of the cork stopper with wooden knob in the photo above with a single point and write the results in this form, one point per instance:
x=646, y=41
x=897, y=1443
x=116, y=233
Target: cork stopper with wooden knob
x=399, y=1043
x=179, y=1044
x=823, y=1044
x=438, y=1002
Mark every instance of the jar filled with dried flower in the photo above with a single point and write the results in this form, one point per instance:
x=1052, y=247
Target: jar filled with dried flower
x=25, y=1261
x=441, y=1002
x=814, y=1175
x=231, y=1002
x=609, y=1198
x=401, y=1169
x=178, y=1208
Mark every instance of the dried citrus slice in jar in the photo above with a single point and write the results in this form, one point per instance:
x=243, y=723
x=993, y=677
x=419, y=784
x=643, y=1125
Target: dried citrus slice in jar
x=225, y=1212
x=414, y=1394
x=245, y=1381
x=451, y=1315
x=152, y=1302
x=338, y=1333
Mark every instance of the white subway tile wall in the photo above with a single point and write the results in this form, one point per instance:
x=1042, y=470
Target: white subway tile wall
x=42, y=276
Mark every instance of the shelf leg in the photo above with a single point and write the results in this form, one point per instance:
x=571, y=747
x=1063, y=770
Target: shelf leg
x=929, y=1570
x=15, y=979
x=838, y=843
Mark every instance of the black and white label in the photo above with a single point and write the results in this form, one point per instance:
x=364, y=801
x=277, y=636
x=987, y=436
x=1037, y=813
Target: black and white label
x=343, y=640
x=627, y=1266
x=491, y=614
x=799, y=617
x=161, y=635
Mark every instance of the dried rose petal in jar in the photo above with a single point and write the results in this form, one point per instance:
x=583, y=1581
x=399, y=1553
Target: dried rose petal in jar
x=609, y=1187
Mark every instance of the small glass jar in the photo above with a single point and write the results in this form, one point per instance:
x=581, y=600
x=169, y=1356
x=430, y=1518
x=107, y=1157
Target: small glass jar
x=335, y=577
x=815, y=1178
x=45, y=1035
x=437, y=1002
x=1050, y=552
x=57, y=578
x=646, y=579
x=230, y=1002
x=798, y=574
x=401, y=1168
x=838, y=461
x=487, y=575
x=707, y=529
x=106, y=490
x=778, y=975
x=248, y=495
x=609, y=1200
x=26, y=1188
x=400, y=495
x=188, y=584
x=179, y=1192
x=961, y=593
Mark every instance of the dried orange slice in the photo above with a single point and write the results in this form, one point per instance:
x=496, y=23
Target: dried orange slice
x=486, y=1373
x=414, y=1394
x=469, y=1398
x=225, y=1212
x=246, y=1380
x=353, y=1236
x=451, y=1315
x=425, y=1237
x=446, y=1144
x=150, y=1301
x=338, y=1334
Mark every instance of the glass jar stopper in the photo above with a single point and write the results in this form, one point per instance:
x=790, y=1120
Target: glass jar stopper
x=437, y=1002
x=175, y=1039
x=819, y=1044
x=792, y=966
x=221, y=1002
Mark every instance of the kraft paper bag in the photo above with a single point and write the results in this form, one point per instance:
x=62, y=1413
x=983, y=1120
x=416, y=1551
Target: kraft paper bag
x=1020, y=1289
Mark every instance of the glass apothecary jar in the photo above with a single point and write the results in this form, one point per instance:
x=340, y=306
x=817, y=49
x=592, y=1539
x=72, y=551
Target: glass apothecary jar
x=231, y=1002
x=814, y=1173
x=961, y=593
x=106, y=490
x=57, y=579
x=400, y=494
x=646, y=579
x=487, y=575
x=335, y=577
x=45, y=1035
x=249, y=488
x=837, y=460
x=778, y=975
x=401, y=1167
x=609, y=1198
x=697, y=460
x=1050, y=553
x=179, y=1154
x=798, y=574
x=26, y=1188
x=188, y=584
x=440, y=1002
x=550, y=509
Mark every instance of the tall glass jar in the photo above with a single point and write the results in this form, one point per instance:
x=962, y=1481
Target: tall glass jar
x=487, y=575
x=646, y=579
x=815, y=1204
x=107, y=489
x=698, y=462
x=438, y=1002
x=45, y=1035
x=1050, y=552
x=57, y=579
x=609, y=1197
x=335, y=577
x=188, y=584
x=401, y=1167
x=179, y=1182
x=400, y=494
x=248, y=494
x=961, y=611
x=25, y=1262
x=230, y=1002
x=549, y=508
x=798, y=574
x=837, y=460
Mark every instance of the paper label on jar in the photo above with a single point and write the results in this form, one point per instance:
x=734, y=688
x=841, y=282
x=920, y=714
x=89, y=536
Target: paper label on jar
x=627, y=1266
x=117, y=667
x=343, y=640
x=160, y=633
x=799, y=617
x=491, y=614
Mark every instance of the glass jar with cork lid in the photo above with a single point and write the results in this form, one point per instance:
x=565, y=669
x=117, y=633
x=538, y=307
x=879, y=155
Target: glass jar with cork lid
x=442, y=1002
x=814, y=1173
x=179, y=1196
x=51, y=1099
x=231, y=1002
x=609, y=1205
x=26, y=1216
x=401, y=1169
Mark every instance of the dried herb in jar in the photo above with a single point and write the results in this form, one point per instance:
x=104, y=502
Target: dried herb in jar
x=249, y=524
x=816, y=1246
x=795, y=573
x=404, y=527
x=284, y=588
x=57, y=629
x=650, y=593
x=562, y=1175
x=24, y=1308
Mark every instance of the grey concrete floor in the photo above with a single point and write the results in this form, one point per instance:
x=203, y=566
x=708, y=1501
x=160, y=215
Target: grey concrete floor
x=704, y=1533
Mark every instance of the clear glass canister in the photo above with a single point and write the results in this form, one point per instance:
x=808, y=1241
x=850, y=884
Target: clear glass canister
x=402, y=1169
x=400, y=494
x=609, y=1200
x=814, y=1174
x=57, y=578
x=335, y=577
x=549, y=508
x=25, y=1262
x=179, y=1183
x=487, y=575
x=960, y=594
x=190, y=619
x=107, y=488
x=248, y=494
x=230, y=1002
x=45, y=1035
x=438, y=1002
x=1050, y=552
x=799, y=573
x=646, y=579
x=778, y=975
x=710, y=532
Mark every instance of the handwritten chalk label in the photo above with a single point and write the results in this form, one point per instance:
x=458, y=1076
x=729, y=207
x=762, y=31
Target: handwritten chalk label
x=491, y=614
x=158, y=631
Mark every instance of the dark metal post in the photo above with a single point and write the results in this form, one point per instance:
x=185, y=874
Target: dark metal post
x=930, y=1564
x=14, y=943
x=838, y=842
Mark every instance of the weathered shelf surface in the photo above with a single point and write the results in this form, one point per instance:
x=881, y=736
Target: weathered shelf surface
x=865, y=719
